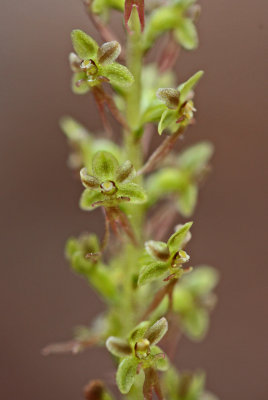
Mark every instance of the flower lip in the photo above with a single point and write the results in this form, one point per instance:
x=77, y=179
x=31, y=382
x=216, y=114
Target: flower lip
x=90, y=67
x=142, y=348
x=108, y=187
x=189, y=109
x=180, y=257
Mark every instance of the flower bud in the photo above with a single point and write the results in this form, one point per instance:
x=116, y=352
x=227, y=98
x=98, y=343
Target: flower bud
x=94, y=390
x=169, y=96
x=88, y=181
x=108, y=52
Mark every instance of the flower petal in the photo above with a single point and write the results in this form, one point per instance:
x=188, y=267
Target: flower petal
x=90, y=198
x=134, y=192
x=83, y=44
x=117, y=74
x=104, y=165
x=168, y=121
x=79, y=83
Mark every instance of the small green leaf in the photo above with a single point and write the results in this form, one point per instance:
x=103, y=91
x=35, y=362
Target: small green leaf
x=161, y=363
x=133, y=191
x=117, y=74
x=74, y=131
x=195, y=323
x=187, y=86
x=151, y=272
x=79, y=83
x=100, y=279
x=103, y=6
x=71, y=247
x=202, y=280
x=192, y=385
x=152, y=113
x=83, y=44
x=161, y=20
x=187, y=200
x=168, y=121
x=104, y=165
x=126, y=374
x=176, y=240
x=182, y=300
x=80, y=264
x=155, y=333
x=118, y=347
x=196, y=157
x=89, y=198
x=186, y=34
x=170, y=382
x=164, y=182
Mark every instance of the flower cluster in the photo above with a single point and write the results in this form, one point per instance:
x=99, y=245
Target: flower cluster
x=180, y=179
x=142, y=277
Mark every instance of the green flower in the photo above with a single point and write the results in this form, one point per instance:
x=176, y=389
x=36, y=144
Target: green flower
x=181, y=180
x=177, y=16
x=84, y=256
x=93, y=65
x=185, y=385
x=180, y=109
x=151, y=107
x=102, y=7
x=193, y=300
x=83, y=252
x=110, y=183
x=138, y=350
x=84, y=145
x=165, y=259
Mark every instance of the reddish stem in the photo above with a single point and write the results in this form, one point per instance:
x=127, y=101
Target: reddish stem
x=106, y=34
x=166, y=290
x=169, y=55
x=160, y=152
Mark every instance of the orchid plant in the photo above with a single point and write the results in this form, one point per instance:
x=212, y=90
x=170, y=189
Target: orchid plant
x=140, y=267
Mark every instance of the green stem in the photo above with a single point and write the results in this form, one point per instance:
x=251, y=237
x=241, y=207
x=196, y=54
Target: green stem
x=133, y=151
x=134, y=63
x=132, y=141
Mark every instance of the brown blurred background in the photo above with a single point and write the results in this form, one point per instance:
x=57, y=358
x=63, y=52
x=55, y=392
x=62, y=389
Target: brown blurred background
x=41, y=300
